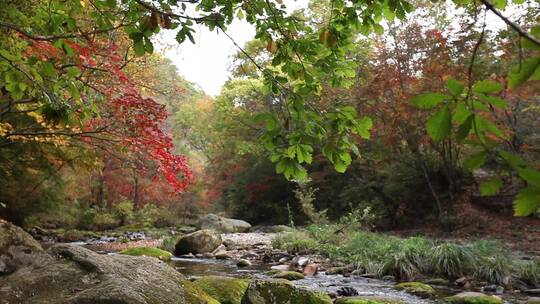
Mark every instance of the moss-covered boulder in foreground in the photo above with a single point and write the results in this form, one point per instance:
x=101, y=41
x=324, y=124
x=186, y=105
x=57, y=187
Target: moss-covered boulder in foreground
x=473, y=298
x=279, y=291
x=148, y=251
x=225, y=290
x=288, y=275
x=367, y=300
x=416, y=288
x=195, y=294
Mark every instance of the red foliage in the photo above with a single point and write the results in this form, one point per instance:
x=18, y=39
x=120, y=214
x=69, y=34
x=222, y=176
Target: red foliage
x=132, y=121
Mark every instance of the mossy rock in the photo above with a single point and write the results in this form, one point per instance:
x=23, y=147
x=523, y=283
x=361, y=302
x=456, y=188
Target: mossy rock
x=279, y=291
x=225, y=290
x=473, y=298
x=195, y=294
x=416, y=288
x=288, y=275
x=148, y=251
x=367, y=300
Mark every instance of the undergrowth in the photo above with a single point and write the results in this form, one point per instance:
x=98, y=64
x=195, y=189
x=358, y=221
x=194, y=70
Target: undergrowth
x=411, y=258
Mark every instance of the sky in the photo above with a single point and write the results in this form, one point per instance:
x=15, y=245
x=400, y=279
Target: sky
x=206, y=62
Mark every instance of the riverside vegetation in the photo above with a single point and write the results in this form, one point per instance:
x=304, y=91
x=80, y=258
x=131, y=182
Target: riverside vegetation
x=412, y=258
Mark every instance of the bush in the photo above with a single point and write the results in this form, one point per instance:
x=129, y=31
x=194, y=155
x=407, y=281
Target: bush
x=147, y=215
x=123, y=211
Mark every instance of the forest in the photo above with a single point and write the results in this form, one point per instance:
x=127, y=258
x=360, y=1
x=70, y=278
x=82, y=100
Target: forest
x=353, y=140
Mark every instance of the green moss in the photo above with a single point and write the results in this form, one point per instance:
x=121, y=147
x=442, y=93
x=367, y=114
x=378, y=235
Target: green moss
x=225, y=290
x=416, y=288
x=473, y=298
x=195, y=295
x=288, y=275
x=533, y=301
x=367, y=300
x=282, y=291
x=148, y=251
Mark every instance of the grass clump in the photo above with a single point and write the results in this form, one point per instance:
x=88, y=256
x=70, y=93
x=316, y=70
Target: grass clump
x=409, y=258
x=529, y=272
x=148, y=251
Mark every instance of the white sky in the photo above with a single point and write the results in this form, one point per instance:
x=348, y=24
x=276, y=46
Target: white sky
x=206, y=63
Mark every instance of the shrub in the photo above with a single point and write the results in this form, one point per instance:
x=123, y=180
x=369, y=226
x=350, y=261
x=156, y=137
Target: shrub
x=147, y=215
x=104, y=221
x=123, y=211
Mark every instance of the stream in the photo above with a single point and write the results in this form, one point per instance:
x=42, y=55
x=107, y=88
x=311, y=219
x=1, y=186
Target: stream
x=245, y=243
x=195, y=267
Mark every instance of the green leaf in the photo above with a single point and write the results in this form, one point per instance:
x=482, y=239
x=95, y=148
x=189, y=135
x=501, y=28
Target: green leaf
x=487, y=86
x=363, y=126
x=527, y=201
x=491, y=187
x=464, y=129
x=138, y=48
x=439, y=125
x=428, y=100
x=522, y=73
x=499, y=4
x=454, y=87
x=515, y=161
x=486, y=125
x=531, y=176
x=148, y=46
x=494, y=100
x=475, y=161
x=48, y=69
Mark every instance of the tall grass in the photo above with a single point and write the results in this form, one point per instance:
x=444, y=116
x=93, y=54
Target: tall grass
x=410, y=258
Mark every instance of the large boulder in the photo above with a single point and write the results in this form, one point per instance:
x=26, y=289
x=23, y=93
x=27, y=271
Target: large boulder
x=223, y=224
x=72, y=274
x=281, y=292
x=201, y=241
x=17, y=248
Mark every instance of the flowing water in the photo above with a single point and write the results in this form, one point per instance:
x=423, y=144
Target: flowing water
x=195, y=267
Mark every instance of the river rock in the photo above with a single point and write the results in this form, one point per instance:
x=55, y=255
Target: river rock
x=416, y=288
x=243, y=263
x=367, y=300
x=280, y=267
x=470, y=297
x=71, y=274
x=311, y=269
x=198, y=242
x=223, y=224
x=533, y=301
x=280, y=292
x=288, y=275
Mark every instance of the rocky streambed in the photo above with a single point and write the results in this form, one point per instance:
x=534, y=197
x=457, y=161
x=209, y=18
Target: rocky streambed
x=237, y=268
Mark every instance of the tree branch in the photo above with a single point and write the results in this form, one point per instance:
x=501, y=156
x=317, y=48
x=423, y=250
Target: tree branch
x=511, y=24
